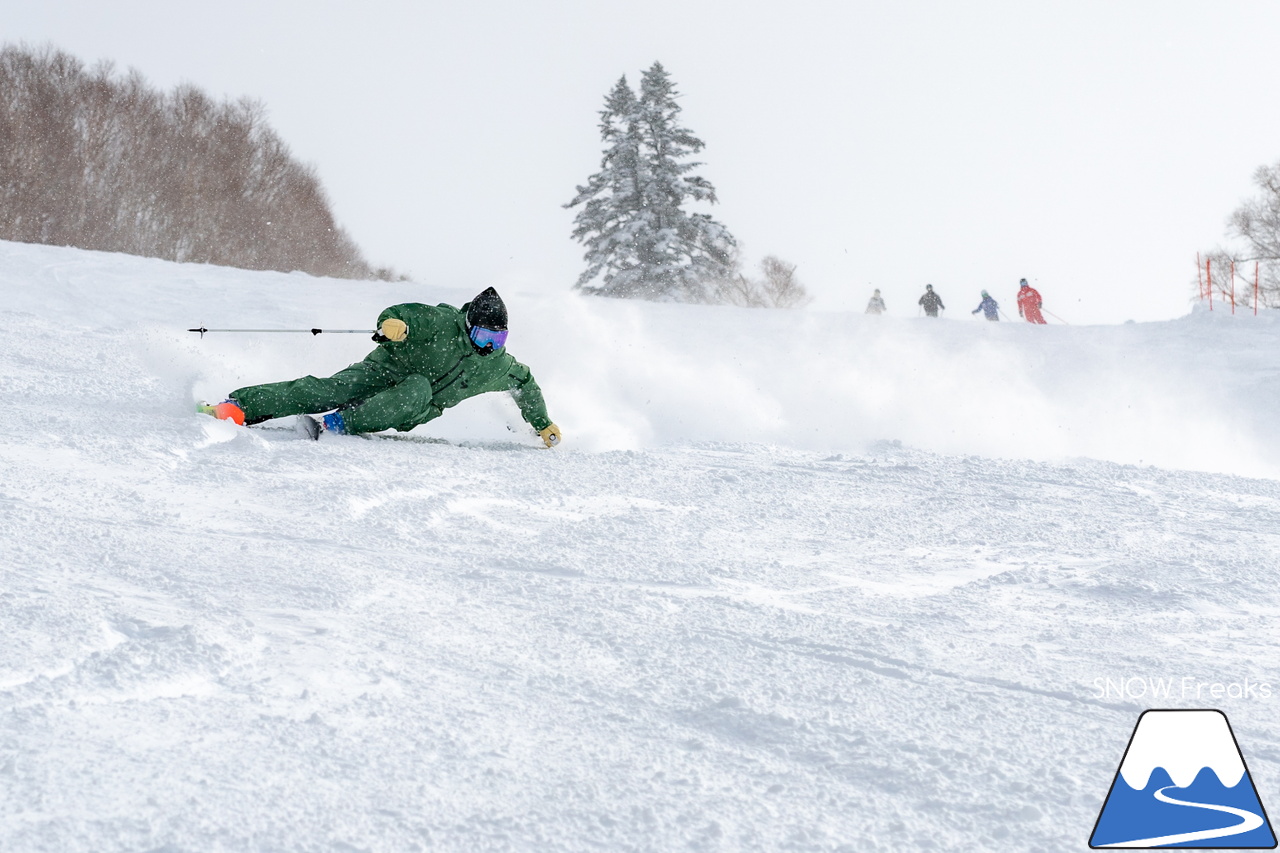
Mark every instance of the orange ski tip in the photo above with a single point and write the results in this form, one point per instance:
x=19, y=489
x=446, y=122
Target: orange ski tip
x=229, y=412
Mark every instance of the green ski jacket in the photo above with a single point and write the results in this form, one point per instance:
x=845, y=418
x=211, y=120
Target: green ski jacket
x=438, y=348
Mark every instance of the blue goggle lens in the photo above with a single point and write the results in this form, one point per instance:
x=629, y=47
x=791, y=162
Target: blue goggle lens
x=483, y=337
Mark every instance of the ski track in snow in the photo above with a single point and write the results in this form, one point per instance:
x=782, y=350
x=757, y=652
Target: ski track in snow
x=227, y=639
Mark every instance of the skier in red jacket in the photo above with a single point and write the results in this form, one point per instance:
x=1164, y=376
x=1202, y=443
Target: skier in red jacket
x=1029, y=303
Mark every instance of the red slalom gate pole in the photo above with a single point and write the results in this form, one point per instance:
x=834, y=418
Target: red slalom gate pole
x=1208, y=277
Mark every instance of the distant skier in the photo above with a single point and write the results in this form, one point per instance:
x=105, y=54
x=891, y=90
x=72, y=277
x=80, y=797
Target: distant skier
x=1029, y=303
x=988, y=306
x=876, y=305
x=931, y=301
x=428, y=359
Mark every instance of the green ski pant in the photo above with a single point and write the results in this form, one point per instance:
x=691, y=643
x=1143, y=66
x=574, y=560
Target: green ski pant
x=372, y=397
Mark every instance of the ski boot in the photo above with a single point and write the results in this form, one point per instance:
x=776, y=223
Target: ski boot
x=309, y=427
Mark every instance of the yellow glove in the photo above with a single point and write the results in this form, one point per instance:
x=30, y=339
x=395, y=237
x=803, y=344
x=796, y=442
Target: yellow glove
x=393, y=329
x=550, y=435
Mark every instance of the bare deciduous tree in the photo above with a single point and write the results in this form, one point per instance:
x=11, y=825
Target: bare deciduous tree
x=92, y=159
x=1257, y=221
x=777, y=287
x=781, y=287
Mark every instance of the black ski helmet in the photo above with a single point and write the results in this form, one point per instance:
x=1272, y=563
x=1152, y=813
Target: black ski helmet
x=488, y=311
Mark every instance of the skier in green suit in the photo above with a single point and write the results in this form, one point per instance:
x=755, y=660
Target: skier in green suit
x=428, y=359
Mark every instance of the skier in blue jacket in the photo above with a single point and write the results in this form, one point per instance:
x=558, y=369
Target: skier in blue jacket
x=988, y=306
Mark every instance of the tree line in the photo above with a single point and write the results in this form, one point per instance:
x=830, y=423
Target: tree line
x=99, y=160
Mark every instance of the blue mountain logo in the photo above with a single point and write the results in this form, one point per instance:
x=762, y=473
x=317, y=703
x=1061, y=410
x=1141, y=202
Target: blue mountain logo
x=1183, y=783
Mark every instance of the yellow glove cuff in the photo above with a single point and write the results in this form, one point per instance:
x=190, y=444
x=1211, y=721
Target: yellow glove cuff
x=550, y=435
x=393, y=329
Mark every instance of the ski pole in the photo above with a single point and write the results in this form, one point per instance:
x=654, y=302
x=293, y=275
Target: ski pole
x=202, y=331
x=1056, y=317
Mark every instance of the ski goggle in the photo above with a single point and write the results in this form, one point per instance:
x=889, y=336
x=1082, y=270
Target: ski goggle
x=483, y=337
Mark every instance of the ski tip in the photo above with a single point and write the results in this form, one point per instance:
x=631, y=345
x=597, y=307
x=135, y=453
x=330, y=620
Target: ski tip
x=229, y=411
x=224, y=411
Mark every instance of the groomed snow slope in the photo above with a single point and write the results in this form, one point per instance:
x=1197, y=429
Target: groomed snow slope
x=794, y=581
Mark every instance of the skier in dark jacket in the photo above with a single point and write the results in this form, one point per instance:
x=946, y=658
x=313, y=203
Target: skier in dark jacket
x=428, y=359
x=988, y=306
x=931, y=301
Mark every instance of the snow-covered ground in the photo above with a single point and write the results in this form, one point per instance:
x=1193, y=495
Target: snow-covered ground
x=794, y=581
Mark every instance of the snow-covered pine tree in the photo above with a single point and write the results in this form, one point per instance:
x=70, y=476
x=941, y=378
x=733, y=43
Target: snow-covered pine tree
x=640, y=241
x=607, y=223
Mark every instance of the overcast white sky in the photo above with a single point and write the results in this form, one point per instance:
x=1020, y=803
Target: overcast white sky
x=1092, y=147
